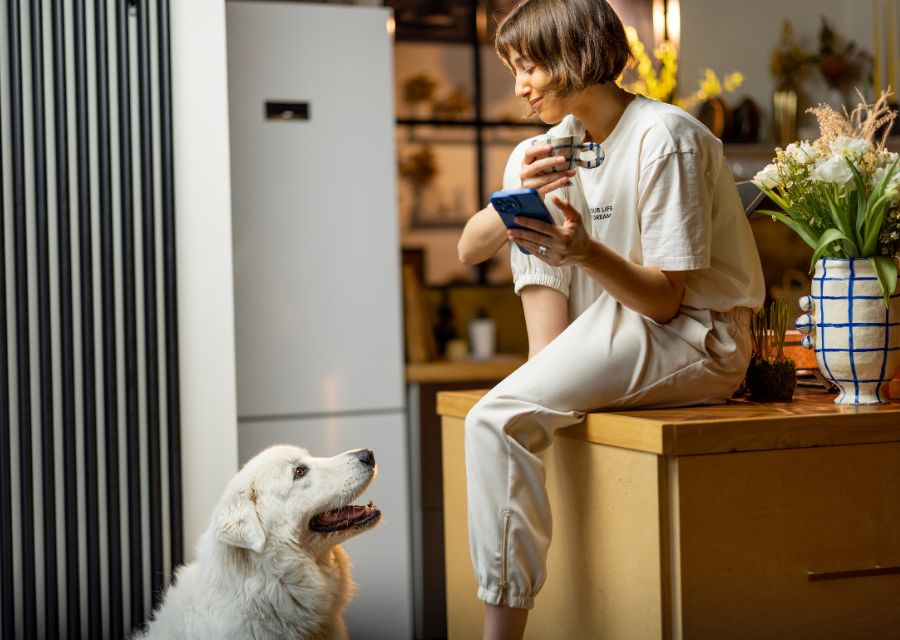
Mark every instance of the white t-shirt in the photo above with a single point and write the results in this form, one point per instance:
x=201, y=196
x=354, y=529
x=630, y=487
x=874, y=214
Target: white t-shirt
x=663, y=196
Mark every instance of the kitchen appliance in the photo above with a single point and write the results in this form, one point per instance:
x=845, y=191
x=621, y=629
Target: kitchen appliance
x=317, y=265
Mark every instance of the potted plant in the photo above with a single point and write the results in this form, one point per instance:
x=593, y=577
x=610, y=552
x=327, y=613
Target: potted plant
x=841, y=195
x=771, y=377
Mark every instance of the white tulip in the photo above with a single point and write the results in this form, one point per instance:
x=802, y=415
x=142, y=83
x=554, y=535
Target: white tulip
x=833, y=169
x=768, y=177
x=849, y=147
x=801, y=153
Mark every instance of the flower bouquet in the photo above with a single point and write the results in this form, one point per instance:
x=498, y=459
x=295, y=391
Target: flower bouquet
x=841, y=195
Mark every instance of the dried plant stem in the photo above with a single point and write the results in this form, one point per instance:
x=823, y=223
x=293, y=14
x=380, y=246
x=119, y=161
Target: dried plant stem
x=863, y=122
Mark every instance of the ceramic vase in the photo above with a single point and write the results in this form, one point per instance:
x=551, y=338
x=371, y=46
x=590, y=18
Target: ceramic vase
x=855, y=336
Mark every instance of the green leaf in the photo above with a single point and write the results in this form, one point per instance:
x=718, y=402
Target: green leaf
x=830, y=236
x=800, y=228
x=791, y=211
x=877, y=198
x=773, y=196
x=853, y=214
x=840, y=222
x=873, y=226
x=859, y=214
x=886, y=270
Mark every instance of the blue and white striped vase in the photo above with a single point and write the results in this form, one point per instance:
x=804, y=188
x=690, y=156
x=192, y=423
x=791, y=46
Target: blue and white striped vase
x=856, y=338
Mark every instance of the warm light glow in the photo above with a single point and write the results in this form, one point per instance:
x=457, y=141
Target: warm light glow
x=673, y=21
x=331, y=392
x=659, y=22
x=391, y=25
x=481, y=23
x=876, y=48
x=891, y=26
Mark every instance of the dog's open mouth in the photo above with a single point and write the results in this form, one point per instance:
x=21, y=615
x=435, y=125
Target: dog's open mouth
x=345, y=518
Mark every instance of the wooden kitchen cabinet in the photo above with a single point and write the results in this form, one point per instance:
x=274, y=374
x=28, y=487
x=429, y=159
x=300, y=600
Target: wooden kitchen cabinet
x=737, y=521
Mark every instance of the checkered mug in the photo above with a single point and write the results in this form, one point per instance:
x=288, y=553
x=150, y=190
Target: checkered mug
x=588, y=155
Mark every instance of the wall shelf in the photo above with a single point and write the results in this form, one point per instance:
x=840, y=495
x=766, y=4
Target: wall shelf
x=411, y=122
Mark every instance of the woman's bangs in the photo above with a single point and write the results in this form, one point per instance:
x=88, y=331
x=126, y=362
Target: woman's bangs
x=519, y=33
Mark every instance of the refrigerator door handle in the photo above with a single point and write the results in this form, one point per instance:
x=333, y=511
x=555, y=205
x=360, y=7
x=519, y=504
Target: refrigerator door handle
x=278, y=110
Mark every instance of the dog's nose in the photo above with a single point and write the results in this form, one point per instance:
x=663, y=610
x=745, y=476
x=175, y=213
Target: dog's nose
x=366, y=457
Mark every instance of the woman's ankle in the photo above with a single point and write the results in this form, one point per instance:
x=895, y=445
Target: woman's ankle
x=504, y=623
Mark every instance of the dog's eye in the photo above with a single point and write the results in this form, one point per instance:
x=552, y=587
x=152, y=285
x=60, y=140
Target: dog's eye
x=300, y=471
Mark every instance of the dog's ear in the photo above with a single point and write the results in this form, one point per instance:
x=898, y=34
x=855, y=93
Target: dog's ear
x=239, y=523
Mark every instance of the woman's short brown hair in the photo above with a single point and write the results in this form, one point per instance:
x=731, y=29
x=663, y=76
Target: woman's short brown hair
x=577, y=42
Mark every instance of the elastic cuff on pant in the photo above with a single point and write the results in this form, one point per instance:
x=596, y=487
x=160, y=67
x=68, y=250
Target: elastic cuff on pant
x=499, y=596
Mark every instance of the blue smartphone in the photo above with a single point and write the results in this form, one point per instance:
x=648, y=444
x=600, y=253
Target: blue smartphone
x=520, y=202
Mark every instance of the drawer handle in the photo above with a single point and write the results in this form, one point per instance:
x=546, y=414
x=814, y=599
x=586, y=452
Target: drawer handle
x=815, y=576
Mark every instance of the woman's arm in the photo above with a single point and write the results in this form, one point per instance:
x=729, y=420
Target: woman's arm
x=485, y=233
x=546, y=315
x=651, y=292
x=482, y=237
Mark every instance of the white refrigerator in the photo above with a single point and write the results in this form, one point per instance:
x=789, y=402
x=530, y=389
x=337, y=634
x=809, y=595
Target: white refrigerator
x=317, y=265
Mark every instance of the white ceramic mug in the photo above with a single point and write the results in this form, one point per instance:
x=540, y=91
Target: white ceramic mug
x=588, y=155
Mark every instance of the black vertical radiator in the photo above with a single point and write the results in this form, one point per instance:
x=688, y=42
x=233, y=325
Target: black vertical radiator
x=90, y=446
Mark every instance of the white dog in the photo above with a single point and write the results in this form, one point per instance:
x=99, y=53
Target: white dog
x=269, y=565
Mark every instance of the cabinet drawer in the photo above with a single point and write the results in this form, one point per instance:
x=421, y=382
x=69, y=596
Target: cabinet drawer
x=751, y=527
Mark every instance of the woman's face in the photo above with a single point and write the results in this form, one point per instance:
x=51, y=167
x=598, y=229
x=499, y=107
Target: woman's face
x=531, y=82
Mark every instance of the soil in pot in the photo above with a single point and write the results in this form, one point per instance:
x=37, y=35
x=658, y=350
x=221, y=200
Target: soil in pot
x=771, y=380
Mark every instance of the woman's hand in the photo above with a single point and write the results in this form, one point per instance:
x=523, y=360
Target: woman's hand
x=535, y=174
x=565, y=244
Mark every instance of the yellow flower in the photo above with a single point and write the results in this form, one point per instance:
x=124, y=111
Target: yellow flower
x=733, y=80
x=661, y=86
x=710, y=84
x=710, y=87
x=658, y=86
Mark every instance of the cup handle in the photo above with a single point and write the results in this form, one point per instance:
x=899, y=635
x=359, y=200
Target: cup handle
x=598, y=155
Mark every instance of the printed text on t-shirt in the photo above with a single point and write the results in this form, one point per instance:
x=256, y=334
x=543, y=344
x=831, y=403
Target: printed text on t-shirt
x=601, y=213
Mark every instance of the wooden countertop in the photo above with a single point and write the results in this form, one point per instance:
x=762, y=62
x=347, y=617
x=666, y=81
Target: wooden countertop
x=438, y=371
x=812, y=420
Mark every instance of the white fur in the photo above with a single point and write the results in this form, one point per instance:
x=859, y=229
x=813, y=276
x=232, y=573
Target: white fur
x=261, y=573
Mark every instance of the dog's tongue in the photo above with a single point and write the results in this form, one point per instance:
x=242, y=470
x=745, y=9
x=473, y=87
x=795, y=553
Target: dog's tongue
x=343, y=518
x=344, y=515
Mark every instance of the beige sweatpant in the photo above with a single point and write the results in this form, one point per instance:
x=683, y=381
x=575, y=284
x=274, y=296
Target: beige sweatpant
x=610, y=356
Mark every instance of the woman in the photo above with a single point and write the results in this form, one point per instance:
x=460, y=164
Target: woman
x=639, y=297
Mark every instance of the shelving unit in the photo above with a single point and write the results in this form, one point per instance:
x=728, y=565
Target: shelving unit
x=470, y=123
x=471, y=31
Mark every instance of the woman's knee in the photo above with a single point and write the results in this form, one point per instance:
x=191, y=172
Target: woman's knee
x=481, y=425
x=487, y=426
x=499, y=419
